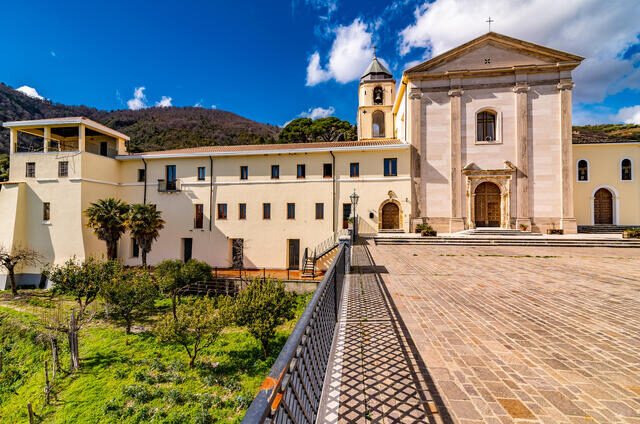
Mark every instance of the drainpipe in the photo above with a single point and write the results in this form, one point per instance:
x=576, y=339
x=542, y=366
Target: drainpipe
x=211, y=194
x=333, y=193
x=144, y=200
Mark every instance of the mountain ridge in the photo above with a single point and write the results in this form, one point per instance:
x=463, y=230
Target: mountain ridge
x=154, y=128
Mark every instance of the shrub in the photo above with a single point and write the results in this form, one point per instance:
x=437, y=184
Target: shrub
x=174, y=275
x=632, y=232
x=263, y=306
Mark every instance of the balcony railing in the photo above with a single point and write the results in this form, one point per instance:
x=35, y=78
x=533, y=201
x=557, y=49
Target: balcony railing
x=170, y=186
x=292, y=391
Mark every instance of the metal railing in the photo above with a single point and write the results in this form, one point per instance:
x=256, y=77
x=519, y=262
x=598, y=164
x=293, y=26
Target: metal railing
x=291, y=392
x=168, y=186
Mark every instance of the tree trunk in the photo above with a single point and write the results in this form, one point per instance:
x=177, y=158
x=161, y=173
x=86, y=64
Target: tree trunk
x=144, y=258
x=265, y=348
x=12, y=279
x=54, y=355
x=192, y=362
x=111, y=249
x=173, y=306
x=73, y=343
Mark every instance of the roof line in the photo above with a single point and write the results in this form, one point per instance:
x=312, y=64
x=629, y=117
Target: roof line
x=263, y=152
x=67, y=120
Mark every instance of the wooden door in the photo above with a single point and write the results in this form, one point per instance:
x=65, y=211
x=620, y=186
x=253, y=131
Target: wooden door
x=487, y=205
x=237, y=253
x=346, y=213
x=390, y=217
x=187, y=249
x=294, y=254
x=603, y=207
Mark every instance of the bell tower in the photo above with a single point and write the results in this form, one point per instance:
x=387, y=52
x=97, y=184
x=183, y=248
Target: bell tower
x=376, y=94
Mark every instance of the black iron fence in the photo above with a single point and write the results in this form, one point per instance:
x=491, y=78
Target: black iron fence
x=291, y=392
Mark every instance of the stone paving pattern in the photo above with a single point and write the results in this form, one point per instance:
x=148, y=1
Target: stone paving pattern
x=380, y=380
x=522, y=334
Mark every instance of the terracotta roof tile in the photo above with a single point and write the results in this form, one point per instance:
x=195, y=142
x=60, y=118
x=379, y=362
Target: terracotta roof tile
x=272, y=147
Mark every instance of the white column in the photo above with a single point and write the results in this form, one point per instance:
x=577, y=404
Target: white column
x=81, y=138
x=523, y=216
x=13, y=140
x=46, y=137
x=456, y=222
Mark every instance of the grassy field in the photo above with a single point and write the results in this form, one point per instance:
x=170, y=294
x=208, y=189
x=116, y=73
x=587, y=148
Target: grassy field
x=142, y=382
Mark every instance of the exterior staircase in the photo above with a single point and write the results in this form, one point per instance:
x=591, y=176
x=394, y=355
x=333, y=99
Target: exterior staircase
x=513, y=240
x=602, y=229
x=489, y=231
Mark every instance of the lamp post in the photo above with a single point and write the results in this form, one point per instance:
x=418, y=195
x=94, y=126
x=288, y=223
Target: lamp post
x=354, y=202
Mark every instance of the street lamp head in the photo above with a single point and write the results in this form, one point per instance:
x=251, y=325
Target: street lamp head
x=354, y=197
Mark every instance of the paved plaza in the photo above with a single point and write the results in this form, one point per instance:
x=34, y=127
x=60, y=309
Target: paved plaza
x=521, y=334
x=444, y=334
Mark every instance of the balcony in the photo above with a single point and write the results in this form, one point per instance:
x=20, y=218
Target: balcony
x=171, y=186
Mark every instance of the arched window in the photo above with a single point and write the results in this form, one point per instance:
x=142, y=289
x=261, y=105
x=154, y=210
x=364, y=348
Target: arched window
x=378, y=123
x=583, y=170
x=626, y=170
x=486, y=126
x=378, y=96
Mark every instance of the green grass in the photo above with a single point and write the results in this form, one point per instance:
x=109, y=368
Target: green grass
x=144, y=381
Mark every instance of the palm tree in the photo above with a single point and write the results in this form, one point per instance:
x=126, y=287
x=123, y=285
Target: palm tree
x=144, y=223
x=107, y=219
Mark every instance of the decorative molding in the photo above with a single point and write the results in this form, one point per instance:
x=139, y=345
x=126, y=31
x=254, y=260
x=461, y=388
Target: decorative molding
x=565, y=85
x=456, y=92
x=521, y=87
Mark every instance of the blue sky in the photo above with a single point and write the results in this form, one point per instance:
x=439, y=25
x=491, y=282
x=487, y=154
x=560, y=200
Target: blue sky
x=278, y=60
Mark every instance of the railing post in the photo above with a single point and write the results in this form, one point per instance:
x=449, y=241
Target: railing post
x=346, y=242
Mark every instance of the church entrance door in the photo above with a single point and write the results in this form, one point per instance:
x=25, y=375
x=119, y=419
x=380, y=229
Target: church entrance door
x=487, y=205
x=390, y=217
x=603, y=207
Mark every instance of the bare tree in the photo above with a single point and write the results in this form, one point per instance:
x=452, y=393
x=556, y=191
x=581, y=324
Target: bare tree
x=11, y=258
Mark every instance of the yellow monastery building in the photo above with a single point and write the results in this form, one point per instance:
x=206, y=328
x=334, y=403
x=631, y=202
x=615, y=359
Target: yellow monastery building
x=478, y=136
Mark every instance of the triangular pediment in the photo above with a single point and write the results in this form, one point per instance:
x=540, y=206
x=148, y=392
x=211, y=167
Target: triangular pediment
x=494, y=51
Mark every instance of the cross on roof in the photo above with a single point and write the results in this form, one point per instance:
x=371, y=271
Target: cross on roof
x=489, y=21
x=374, y=51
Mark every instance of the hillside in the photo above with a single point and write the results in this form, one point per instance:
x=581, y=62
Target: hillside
x=606, y=133
x=150, y=129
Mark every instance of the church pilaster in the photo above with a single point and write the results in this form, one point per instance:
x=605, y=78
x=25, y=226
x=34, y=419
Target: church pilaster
x=523, y=215
x=568, y=220
x=418, y=152
x=456, y=223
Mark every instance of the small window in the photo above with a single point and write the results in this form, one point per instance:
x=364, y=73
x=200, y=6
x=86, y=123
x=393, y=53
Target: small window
x=242, y=211
x=201, y=173
x=354, y=169
x=583, y=170
x=626, y=170
x=291, y=211
x=390, y=167
x=31, y=170
x=319, y=210
x=135, y=249
x=46, y=211
x=377, y=119
x=275, y=172
x=326, y=170
x=266, y=211
x=104, y=148
x=142, y=175
x=63, y=169
x=222, y=211
x=244, y=172
x=301, y=171
x=486, y=130
x=199, y=217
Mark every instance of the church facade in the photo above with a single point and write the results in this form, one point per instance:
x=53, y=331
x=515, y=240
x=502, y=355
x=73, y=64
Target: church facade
x=479, y=136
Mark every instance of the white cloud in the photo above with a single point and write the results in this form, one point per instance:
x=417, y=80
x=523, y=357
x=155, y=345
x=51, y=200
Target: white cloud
x=330, y=5
x=350, y=55
x=214, y=107
x=628, y=115
x=139, y=100
x=53, y=53
x=30, y=91
x=318, y=112
x=165, y=101
x=594, y=29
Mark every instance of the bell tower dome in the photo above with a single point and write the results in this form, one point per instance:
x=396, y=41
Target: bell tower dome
x=376, y=95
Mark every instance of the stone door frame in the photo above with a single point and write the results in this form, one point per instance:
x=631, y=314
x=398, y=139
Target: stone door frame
x=500, y=177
